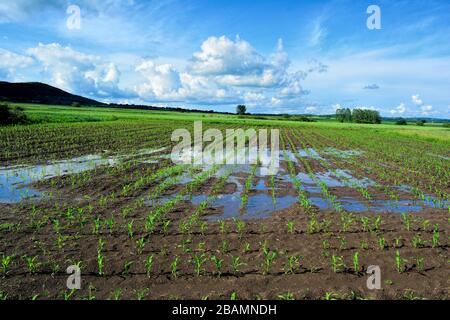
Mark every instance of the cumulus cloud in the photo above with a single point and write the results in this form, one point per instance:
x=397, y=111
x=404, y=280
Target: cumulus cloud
x=77, y=72
x=401, y=109
x=222, y=72
x=10, y=62
x=227, y=71
x=222, y=56
x=417, y=100
x=311, y=109
x=425, y=109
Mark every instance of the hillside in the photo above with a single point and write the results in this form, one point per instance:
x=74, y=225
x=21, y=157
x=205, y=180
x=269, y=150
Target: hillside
x=36, y=92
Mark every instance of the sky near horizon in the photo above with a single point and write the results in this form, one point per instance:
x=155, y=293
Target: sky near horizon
x=273, y=56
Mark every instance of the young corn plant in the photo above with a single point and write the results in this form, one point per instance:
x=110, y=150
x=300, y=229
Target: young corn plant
x=399, y=262
x=236, y=263
x=32, y=264
x=140, y=245
x=292, y=264
x=407, y=220
x=291, y=227
x=149, y=265
x=199, y=261
x=365, y=222
x=6, y=261
x=126, y=267
x=218, y=263
x=420, y=264
x=435, y=238
x=356, y=262
x=240, y=226
x=174, y=267
x=130, y=229
x=141, y=294
x=337, y=264
x=100, y=257
x=417, y=241
x=382, y=243
x=269, y=257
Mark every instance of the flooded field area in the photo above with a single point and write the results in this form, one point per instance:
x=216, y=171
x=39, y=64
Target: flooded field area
x=136, y=219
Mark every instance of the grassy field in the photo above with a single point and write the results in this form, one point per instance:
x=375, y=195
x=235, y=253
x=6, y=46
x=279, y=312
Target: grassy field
x=95, y=188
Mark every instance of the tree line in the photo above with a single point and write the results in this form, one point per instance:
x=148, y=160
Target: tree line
x=358, y=115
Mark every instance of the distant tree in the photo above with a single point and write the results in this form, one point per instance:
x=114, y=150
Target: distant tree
x=76, y=104
x=11, y=115
x=344, y=115
x=421, y=123
x=241, y=109
x=366, y=116
x=401, y=122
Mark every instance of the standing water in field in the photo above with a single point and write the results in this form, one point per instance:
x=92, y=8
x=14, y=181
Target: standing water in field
x=13, y=180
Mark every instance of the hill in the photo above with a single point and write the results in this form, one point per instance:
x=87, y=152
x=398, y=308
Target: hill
x=37, y=92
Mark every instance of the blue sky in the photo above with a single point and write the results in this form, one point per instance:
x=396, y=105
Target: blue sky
x=274, y=56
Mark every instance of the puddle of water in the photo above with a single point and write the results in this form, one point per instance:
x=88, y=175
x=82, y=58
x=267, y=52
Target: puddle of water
x=342, y=153
x=13, y=180
x=259, y=206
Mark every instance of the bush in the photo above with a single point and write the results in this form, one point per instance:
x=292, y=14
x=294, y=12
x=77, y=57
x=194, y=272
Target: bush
x=76, y=105
x=421, y=123
x=366, y=116
x=11, y=115
x=446, y=125
x=401, y=122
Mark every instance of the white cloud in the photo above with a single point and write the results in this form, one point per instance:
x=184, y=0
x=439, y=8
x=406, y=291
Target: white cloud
x=10, y=62
x=77, y=72
x=401, y=109
x=417, y=100
x=222, y=56
x=226, y=71
x=311, y=109
x=426, y=110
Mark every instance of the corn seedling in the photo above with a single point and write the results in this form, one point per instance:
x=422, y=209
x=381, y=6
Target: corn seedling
x=399, y=262
x=165, y=227
x=286, y=296
x=420, y=264
x=417, y=241
x=6, y=260
x=356, y=262
x=117, y=294
x=382, y=242
x=100, y=257
x=130, y=229
x=293, y=264
x=174, y=267
x=436, y=236
x=337, y=264
x=31, y=263
x=291, y=227
x=218, y=263
x=407, y=221
x=269, y=257
x=141, y=294
x=199, y=260
x=126, y=267
x=236, y=263
x=149, y=265
x=140, y=245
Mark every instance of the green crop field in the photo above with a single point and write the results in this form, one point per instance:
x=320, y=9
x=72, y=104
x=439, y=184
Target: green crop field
x=95, y=188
